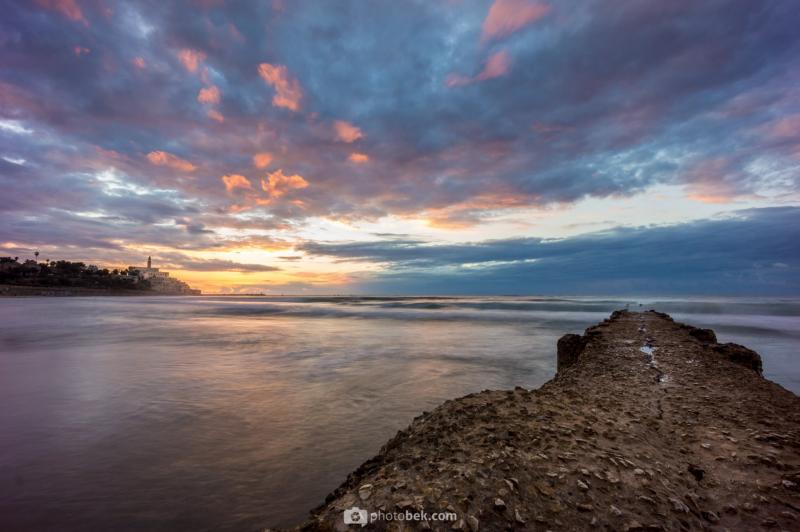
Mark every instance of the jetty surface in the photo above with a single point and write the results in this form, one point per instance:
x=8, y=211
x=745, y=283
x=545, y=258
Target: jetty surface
x=649, y=424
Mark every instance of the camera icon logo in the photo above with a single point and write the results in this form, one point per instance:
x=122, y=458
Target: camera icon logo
x=356, y=516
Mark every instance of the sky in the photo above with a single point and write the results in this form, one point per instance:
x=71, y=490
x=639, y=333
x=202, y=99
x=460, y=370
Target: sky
x=408, y=147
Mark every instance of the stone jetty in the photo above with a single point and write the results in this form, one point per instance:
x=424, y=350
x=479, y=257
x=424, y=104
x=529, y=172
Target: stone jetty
x=649, y=424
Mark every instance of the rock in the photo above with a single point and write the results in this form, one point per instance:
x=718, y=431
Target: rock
x=585, y=507
x=739, y=354
x=365, y=492
x=473, y=523
x=696, y=471
x=582, y=485
x=458, y=525
x=404, y=504
x=678, y=505
x=705, y=336
x=710, y=516
x=569, y=347
x=518, y=517
x=705, y=445
x=499, y=504
x=638, y=471
x=615, y=511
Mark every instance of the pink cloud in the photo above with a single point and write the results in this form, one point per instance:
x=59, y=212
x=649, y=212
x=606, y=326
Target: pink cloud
x=67, y=8
x=346, y=132
x=277, y=184
x=358, y=158
x=191, y=59
x=234, y=181
x=209, y=95
x=507, y=16
x=711, y=181
x=786, y=128
x=498, y=64
x=215, y=115
x=139, y=63
x=287, y=89
x=262, y=160
x=81, y=50
x=162, y=158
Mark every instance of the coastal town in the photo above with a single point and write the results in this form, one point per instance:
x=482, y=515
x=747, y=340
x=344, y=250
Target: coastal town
x=32, y=277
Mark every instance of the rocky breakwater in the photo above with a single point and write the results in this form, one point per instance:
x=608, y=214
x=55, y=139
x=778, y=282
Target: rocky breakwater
x=649, y=424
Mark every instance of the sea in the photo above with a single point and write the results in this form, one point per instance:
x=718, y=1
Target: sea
x=242, y=413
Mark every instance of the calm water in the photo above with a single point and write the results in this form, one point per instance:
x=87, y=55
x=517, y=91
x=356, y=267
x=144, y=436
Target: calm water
x=240, y=413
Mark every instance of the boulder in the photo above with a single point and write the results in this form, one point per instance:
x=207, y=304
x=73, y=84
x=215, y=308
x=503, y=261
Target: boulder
x=741, y=355
x=569, y=348
x=705, y=336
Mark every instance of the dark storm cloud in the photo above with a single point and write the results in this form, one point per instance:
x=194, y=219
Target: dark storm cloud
x=594, y=101
x=751, y=252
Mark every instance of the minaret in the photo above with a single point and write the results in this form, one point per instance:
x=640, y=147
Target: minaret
x=149, y=263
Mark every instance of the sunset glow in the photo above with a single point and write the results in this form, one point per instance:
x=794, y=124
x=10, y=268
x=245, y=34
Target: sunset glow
x=399, y=147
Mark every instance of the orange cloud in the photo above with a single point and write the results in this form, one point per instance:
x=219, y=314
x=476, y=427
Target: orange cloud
x=346, y=132
x=191, y=59
x=277, y=184
x=162, y=158
x=209, y=95
x=68, y=8
x=262, y=160
x=287, y=89
x=358, y=157
x=234, y=181
x=507, y=16
x=138, y=62
x=213, y=114
x=498, y=64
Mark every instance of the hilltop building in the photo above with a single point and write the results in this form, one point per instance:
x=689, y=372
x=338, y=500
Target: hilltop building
x=162, y=282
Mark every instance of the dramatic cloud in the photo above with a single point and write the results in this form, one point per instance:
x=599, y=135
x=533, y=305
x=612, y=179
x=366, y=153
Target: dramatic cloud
x=215, y=265
x=277, y=184
x=234, y=181
x=497, y=65
x=445, y=121
x=67, y=8
x=209, y=95
x=191, y=59
x=287, y=89
x=262, y=160
x=356, y=157
x=507, y=16
x=753, y=252
x=346, y=132
x=162, y=158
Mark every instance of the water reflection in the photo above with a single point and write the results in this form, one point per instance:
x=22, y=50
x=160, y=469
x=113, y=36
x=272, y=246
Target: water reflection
x=241, y=413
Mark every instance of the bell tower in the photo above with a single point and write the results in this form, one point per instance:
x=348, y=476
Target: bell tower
x=149, y=263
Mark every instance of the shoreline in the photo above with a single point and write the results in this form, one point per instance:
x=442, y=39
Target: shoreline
x=648, y=424
x=10, y=291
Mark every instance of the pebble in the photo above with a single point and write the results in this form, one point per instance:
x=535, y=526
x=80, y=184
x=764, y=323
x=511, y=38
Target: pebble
x=365, y=492
x=583, y=485
x=614, y=510
x=638, y=471
x=678, y=505
x=473, y=523
x=518, y=517
x=499, y=504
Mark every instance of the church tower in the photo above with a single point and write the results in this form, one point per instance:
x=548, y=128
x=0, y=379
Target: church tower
x=149, y=263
